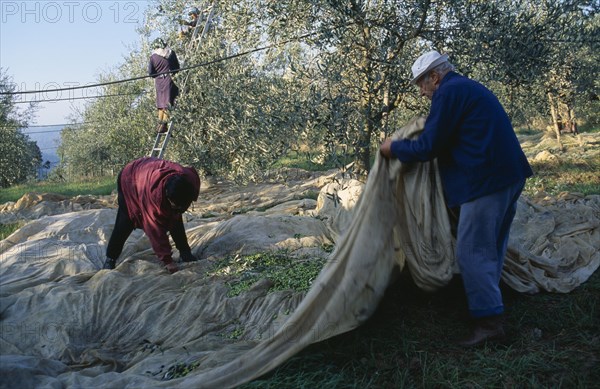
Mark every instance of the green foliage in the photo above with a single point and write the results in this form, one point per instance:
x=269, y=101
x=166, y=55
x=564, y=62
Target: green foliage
x=179, y=370
x=533, y=55
x=313, y=161
x=286, y=273
x=235, y=334
x=20, y=157
x=334, y=93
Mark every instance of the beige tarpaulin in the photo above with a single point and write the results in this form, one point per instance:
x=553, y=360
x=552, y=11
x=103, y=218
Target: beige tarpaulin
x=63, y=323
x=401, y=218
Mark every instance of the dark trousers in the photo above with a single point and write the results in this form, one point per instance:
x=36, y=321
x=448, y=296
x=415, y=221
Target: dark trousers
x=124, y=227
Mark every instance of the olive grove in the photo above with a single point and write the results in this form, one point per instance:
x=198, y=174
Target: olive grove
x=330, y=79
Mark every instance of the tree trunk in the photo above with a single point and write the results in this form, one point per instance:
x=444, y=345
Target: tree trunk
x=363, y=143
x=572, y=122
x=573, y=125
x=385, y=116
x=362, y=151
x=554, y=119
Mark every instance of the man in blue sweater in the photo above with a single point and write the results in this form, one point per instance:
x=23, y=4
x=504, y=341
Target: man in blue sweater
x=483, y=171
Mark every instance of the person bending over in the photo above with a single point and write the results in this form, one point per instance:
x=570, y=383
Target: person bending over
x=152, y=195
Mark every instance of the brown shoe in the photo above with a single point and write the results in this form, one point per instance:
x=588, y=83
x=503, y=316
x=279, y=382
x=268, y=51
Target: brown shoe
x=486, y=329
x=162, y=128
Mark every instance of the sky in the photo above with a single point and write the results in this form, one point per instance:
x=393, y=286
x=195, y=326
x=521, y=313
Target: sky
x=57, y=44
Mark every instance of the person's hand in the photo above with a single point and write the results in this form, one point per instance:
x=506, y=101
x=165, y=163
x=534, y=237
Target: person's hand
x=386, y=148
x=187, y=256
x=172, y=267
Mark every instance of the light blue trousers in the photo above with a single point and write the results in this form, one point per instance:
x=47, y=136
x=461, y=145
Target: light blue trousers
x=482, y=238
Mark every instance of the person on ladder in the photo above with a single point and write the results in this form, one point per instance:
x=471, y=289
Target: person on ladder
x=187, y=26
x=163, y=64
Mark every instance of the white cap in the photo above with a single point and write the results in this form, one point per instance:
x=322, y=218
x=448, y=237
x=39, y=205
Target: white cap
x=425, y=63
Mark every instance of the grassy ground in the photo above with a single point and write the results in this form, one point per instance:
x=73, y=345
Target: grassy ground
x=579, y=177
x=575, y=172
x=571, y=169
x=553, y=342
x=96, y=186
x=7, y=229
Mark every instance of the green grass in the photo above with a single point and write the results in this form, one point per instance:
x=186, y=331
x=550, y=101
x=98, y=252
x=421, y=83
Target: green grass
x=589, y=129
x=592, y=129
x=7, y=229
x=553, y=341
x=568, y=176
x=96, y=186
x=526, y=131
x=575, y=169
x=296, y=160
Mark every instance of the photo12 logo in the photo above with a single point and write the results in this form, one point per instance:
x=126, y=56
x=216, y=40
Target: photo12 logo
x=69, y=11
x=53, y=91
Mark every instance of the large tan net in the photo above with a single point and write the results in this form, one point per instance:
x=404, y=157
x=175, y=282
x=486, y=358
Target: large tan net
x=64, y=323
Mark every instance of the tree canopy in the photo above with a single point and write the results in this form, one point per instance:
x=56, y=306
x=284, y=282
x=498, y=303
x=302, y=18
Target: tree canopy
x=20, y=156
x=326, y=78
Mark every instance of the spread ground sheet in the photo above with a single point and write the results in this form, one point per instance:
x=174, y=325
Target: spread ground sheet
x=66, y=323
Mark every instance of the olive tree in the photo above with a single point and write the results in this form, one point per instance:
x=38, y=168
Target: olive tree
x=241, y=107
x=324, y=77
x=20, y=157
x=541, y=58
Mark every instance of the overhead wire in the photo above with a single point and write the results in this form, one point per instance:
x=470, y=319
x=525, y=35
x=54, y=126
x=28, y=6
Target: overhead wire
x=49, y=131
x=49, y=125
x=81, y=98
x=247, y=52
x=226, y=58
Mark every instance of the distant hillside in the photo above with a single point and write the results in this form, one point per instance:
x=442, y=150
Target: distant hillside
x=47, y=139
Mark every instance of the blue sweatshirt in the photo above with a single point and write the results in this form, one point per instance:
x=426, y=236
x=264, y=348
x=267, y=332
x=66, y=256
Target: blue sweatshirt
x=470, y=134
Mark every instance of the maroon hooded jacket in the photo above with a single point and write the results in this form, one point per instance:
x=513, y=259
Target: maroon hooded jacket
x=143, y=186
